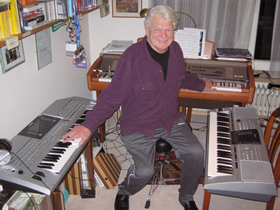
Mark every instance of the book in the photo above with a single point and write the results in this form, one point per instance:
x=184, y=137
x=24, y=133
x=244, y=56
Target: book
x=69, y=5
x=236, y=54
x=80, y=5
x=33, y=10
x=3, y=10
x=60, y=9
x=3, y=19
x=2, y=35
x=15, y=17
x=50, y=8
x=43, y=10
x=85, y=177
x=5, y=196
x=32, y=27
x=98, y=180
x=20, y=16
x=8, y=19
x=26, y=2
x=30, y=14
x=32, y=7
x=21, y=201
x=33, y=20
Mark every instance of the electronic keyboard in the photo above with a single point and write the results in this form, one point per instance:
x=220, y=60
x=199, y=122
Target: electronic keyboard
x=39, y=158
x=237, y=162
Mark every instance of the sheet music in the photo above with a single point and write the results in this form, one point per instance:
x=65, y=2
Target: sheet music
x=192, y=42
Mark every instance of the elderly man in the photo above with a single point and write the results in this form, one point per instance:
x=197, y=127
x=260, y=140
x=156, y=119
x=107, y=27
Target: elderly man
x=146, y=83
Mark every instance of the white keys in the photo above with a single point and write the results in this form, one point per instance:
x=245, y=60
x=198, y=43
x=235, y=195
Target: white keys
x=228, y=86
x=64, y=156
x=212, y=141
x=213, y=149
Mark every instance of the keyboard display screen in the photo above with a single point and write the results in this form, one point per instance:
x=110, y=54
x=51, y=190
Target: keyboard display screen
x=39, y=127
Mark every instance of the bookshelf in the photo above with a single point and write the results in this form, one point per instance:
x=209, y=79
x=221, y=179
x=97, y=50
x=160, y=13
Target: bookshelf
x=28, y=33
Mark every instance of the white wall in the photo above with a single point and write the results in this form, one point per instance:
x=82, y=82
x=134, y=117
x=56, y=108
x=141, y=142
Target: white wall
x=25, y=92
x=104, y=30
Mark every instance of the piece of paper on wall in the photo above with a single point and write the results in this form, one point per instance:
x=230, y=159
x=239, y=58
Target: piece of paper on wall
x=192, y=42
x=43, y=48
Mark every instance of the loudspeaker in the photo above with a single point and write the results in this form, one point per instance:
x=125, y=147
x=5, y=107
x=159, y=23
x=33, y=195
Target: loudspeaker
x=5, y=148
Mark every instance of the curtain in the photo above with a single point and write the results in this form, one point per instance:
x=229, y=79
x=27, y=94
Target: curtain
x=228, y=23
x=274, y=69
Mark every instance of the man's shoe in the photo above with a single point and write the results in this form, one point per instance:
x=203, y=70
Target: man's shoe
x=121, y=202
x=190, y=206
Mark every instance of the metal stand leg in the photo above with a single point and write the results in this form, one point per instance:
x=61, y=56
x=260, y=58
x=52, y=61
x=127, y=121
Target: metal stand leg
x=155, y=183
x=159, y=180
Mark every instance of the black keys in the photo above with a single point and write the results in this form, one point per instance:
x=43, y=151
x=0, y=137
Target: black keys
x=223, y=129
x=225, y=161
x=227, y=135
x=224, y=154
x=224, y=169
x=59, y=151
x=222, y=114
x=64, y=145
x=222, y=119
x=224, y=147
x=224, y=140
x=54, y=155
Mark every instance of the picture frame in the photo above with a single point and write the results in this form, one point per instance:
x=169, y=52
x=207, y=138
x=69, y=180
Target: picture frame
x=126, y=8
x=11, y=58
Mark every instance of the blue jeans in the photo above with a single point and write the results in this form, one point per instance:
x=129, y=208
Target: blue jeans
x=187, y=149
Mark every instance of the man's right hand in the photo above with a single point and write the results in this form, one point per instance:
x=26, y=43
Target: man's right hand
x=78, y=131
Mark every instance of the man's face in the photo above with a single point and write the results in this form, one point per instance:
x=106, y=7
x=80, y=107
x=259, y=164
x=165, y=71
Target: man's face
x=160, y=34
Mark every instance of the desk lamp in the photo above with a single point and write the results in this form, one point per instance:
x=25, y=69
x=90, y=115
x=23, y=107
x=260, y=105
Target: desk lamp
x=144, y=12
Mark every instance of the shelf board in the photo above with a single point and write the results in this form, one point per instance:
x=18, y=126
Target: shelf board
x=28, y=33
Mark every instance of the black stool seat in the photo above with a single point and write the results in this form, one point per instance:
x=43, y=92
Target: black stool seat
x=163, y=146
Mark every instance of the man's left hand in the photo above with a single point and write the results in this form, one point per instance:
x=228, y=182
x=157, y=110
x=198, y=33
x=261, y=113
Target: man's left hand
x=209, y=86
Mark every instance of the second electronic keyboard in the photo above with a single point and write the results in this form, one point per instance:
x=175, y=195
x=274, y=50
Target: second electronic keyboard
x=227, y=75
x=237, y=162
x=39, y=160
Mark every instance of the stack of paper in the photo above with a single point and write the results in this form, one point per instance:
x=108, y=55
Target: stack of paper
x=117, y=46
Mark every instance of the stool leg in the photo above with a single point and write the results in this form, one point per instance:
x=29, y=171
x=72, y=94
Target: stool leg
x=160, y=181
x=163, y=181
x=155, y=183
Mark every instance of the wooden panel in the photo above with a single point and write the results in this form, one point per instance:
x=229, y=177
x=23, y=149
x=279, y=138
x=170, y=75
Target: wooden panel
x=108, y=169
x=73, y=181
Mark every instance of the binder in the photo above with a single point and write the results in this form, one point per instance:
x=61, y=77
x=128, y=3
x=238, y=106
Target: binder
x=8, y=19
x=2, y=35
x=15, y=18
x=4, y=20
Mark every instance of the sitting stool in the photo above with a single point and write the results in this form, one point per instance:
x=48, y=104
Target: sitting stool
x=162, y=148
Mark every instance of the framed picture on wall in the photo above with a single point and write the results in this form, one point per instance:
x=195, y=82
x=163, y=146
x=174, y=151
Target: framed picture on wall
x=11, y=58
x=126, y=8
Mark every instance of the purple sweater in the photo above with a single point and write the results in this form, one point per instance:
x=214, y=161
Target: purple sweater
x=147, y=102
